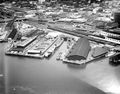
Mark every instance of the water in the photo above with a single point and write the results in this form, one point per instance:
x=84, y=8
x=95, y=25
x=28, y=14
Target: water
x=23, y=75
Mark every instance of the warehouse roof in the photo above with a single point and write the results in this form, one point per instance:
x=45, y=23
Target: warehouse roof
x=79, y=50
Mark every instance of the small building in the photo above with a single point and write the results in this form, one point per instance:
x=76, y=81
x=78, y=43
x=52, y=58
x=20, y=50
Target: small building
x=79, y=50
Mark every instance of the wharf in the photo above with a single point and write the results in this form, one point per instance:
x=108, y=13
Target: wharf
x=49, y=76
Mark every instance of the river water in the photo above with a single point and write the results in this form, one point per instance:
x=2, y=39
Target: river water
x=23, y=75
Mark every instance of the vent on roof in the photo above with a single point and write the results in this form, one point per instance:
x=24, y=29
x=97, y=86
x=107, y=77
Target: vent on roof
x=80, y=50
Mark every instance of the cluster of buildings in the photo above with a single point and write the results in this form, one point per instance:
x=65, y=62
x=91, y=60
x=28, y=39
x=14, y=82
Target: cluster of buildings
x=88, y=24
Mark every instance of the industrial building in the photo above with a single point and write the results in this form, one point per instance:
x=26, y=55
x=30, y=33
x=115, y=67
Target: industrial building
x=79, y=50
x=59, y=47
